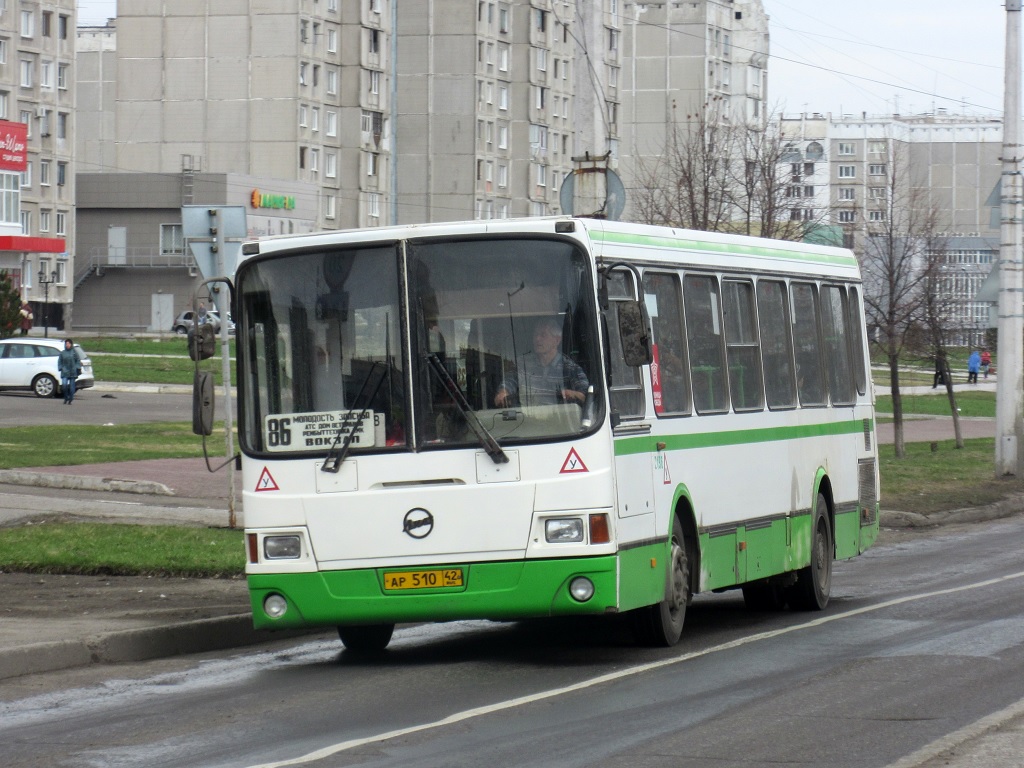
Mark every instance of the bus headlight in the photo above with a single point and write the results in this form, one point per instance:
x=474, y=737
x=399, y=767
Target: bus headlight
x=282, y=547
x=565, y=530
x=275, y=606
x=581, y=588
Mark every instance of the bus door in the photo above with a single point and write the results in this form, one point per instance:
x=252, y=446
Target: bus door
x=634, y=485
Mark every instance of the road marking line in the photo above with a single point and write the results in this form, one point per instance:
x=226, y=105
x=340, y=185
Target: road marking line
x=489, y=709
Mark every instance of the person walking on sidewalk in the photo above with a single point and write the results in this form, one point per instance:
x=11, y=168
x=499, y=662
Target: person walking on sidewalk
x=70, y=369
x=973, y=366
x=986, y=361
x=25, y=318
x=940, y=372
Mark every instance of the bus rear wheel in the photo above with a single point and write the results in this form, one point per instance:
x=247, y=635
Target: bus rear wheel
x=366, y=638
x=814, y=583
x=661, y=624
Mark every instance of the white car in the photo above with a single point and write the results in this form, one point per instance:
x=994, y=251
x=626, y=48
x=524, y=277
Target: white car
x=31, y=363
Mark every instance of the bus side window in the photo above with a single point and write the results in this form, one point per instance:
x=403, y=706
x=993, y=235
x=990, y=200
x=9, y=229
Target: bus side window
x=837, y=344
x=705, y=344
x=776, y=344
x=810, y=383
x=663, y=297
x=854, y=314
x=627, y=394
x=741, y=345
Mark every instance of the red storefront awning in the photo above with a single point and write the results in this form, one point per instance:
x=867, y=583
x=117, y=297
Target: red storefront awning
x=23, y=244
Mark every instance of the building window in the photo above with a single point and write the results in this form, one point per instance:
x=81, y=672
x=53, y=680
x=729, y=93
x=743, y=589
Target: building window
x=62, y=77
x=877, y=193
x=303, y=72
x=331, y=123
x=847, y=171
x=4, y=101
x=314, y=122
x=374, y=41
x=876, y=216
x=540, y=96
x=26, y=175
x=504, y=20
x=845, y=148
x=847, y=217
x=502, y=176
x=330, y=206
x=332, y=82
x=373, y=205
x=331, y=165
x=332, y=41
x=172, y=239
x=62, y=125
x=876, y=169
x=10, y=198
x=44, y=173
x=314, y=160
x=44, y=221
x=62, y=27
x=3, y=51
x=28, y=24
x=542, y=175
x=26, y=74
x=26, y=229
x=613, y=40
x=374, y=81
x=62, y=174
x=503, y=97
x=502, y=137
x=372, y=163
x=303, y=115
x=46, y=75
x=62, y=223
x=846, y=193
x=876, y=147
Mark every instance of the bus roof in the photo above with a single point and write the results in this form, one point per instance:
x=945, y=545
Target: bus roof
x=609, y=239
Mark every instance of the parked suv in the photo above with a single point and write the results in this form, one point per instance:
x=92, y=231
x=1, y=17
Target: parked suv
x=31, y=363
x=183, y=322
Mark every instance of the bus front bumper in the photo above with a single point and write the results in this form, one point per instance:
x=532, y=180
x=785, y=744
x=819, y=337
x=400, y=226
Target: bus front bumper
x=499, y=591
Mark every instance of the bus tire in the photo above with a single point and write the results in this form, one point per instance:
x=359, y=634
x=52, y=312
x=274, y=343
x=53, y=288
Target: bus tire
x=661, y=624
x=814, y=583
x=366, y=638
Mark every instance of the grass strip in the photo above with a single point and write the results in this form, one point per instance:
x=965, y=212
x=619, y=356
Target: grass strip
x=114, y=549
x=64, y=445
x=971, y=403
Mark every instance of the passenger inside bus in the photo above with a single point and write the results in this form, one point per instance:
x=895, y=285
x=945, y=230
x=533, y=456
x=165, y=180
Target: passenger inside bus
x=544, y=376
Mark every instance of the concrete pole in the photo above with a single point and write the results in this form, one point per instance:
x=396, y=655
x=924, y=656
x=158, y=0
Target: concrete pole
x=1010, y=376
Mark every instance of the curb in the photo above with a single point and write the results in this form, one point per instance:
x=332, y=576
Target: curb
x=139, y=645
x=83, y=482
x=1007, y=507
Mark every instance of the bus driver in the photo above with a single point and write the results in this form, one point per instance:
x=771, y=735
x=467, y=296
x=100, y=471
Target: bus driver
x=545, y=376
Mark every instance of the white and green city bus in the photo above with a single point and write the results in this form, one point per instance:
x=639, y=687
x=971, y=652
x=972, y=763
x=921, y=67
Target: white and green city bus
x=547, y=417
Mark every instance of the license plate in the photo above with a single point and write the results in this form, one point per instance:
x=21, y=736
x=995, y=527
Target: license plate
x=431, y=579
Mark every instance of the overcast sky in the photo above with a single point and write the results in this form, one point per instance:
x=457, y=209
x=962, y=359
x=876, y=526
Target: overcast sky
x=852, y=56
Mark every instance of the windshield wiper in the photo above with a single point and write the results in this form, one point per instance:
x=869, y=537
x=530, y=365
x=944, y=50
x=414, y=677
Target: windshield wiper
x=334, y=457
x=486, y=439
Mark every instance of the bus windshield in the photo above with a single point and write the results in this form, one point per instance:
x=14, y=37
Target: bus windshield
x=418, y=345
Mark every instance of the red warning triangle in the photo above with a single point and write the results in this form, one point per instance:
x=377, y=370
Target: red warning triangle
x=573, y=463
x=266, y=482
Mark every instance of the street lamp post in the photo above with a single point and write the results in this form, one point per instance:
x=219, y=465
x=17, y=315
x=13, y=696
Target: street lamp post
x=46, y=299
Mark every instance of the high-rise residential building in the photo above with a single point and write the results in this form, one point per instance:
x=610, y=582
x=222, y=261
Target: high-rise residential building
x=688, y=62
x=868, y=169
x=37, y=189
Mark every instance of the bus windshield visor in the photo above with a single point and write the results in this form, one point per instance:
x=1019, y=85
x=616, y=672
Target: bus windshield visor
x=495, y=340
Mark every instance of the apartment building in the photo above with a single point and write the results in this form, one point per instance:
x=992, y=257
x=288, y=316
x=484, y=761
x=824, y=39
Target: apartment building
x=37, y=190
x=869, y=170
x=684, y=59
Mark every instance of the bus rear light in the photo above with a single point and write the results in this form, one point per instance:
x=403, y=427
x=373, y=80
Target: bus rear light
x=563, y=530
x=252, y=543
x=600, y=531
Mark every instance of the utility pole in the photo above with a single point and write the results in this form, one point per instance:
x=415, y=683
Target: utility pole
x=220, y=300
x=1010, y=378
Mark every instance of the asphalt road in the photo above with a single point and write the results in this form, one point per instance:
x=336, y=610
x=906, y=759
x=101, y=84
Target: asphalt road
x=924, y=636
x=92, y=406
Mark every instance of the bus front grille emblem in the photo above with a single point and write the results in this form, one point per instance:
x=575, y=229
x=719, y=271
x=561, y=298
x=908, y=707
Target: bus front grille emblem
x=418, y=523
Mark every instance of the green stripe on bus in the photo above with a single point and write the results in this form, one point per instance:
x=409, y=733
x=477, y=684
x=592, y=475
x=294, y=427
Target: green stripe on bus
x=732, y=248
x=649, y=443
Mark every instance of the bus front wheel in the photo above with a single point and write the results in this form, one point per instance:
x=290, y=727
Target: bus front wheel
x=662, y=624
x=814, y=583
x=366, y=638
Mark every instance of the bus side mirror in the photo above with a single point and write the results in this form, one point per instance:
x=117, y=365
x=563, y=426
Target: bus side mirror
x=636, y=340
x=202, y=403
x=201, y=342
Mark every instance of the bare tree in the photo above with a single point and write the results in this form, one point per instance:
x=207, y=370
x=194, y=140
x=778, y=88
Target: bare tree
x=686, y=183
x=895, y=249
x=769, y=190
x=939, y=318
